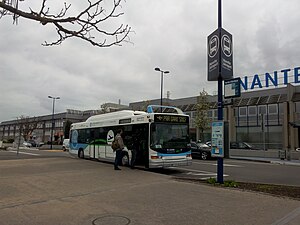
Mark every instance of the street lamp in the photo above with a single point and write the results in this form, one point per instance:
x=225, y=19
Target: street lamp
x=161, y=83
x=53, y=105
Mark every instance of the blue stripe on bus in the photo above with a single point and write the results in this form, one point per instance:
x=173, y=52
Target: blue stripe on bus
x=77, y=146
x=179, y=154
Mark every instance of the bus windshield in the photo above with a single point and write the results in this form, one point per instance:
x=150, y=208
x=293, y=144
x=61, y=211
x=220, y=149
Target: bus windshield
x=165, y=137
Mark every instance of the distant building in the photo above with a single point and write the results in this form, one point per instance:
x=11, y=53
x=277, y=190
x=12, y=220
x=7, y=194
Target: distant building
x=9, y=130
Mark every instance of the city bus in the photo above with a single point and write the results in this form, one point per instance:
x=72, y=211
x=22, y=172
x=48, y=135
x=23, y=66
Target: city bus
x=163, y=137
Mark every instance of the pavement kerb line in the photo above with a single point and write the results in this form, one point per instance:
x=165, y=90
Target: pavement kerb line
x=251, y=159
x=34, y=149
x=53, y=150
x=285, y=163
x=285, y=220
x=24, y=153
x=267, y=161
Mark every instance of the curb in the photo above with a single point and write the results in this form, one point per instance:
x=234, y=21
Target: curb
x=22, y=148
x=285, y=163
x=251, y=159
x=279, y=162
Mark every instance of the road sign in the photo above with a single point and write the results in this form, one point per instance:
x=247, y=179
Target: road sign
x=220, y=50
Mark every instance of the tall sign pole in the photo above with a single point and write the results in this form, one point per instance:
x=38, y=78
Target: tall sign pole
x=220, y=67
x=220, y=94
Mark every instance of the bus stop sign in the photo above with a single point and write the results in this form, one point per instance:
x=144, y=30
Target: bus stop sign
x=220, y=50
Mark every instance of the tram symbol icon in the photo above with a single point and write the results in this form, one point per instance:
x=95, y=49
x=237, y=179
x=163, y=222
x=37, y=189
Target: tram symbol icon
x=226, y=45
x=213, y=46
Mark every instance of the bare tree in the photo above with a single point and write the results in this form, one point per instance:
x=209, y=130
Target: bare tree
x=202, y=120
x=145, y=105
x=27, y=125
x=67, y=127
x=105, y=108
x=88, y=24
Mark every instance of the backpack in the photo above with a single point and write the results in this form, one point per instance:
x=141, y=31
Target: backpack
x=115, y=144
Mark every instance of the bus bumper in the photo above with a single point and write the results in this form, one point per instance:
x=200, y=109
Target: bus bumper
x=164, y=163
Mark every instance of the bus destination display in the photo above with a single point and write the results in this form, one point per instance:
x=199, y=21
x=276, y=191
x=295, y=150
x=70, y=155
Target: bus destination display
x=171, y=118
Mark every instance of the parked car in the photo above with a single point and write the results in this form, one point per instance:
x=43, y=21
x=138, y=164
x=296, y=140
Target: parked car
x=208, y=143
x=32, y=142
x=66, y=144
x=26, y=144
x=200, y=150
x=40, y=144
x=242, y=145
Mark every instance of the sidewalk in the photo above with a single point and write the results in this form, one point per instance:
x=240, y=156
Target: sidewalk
x=82, y=192
x=268, y=160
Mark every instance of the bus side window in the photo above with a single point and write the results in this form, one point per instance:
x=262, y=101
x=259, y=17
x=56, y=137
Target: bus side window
x=82, y=136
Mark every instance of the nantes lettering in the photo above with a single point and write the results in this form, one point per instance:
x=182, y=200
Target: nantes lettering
x=277, y=78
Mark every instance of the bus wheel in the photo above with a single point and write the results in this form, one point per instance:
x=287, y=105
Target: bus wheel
x=80, y=154
x=125, y=160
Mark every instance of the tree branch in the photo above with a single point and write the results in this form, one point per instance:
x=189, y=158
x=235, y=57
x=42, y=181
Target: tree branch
x=87, y=25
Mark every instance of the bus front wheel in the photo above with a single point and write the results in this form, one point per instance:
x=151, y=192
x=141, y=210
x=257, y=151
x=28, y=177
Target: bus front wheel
x=80, y=154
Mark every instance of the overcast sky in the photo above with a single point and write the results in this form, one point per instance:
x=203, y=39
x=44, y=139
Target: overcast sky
x=170, y=34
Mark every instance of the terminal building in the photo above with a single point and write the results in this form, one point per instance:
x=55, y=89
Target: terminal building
x=266, y=118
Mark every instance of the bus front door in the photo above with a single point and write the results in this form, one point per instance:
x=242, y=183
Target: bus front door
x=92, y=145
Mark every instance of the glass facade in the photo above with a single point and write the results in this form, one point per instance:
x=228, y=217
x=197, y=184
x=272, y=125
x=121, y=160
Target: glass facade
x=260, y=125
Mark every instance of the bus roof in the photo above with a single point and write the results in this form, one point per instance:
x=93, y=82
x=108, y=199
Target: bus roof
x=114, y=115
x=123, y=117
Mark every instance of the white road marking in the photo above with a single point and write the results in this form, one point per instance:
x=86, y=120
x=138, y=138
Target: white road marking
x=215, y=164
x=192, y=172
x=207, y=175
x=229, y=165
x=25, y=153
x=202, y=174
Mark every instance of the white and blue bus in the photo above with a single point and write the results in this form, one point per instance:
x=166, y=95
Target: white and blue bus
x=163, y=137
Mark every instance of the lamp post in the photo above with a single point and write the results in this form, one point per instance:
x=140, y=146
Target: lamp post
x=53, y=105
x=161, y=83
x=20, y=133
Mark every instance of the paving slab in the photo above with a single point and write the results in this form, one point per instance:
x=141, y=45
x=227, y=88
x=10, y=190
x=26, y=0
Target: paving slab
x=73, y=191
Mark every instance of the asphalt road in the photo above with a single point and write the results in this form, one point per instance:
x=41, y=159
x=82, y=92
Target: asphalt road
x=59, y=189
x=237, y=170
x=246, y=171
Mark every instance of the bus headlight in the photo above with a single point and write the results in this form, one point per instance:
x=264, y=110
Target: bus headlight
x=155, y=157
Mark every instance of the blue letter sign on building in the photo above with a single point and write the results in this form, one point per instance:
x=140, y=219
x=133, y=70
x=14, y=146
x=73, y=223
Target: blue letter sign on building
x=271, y=80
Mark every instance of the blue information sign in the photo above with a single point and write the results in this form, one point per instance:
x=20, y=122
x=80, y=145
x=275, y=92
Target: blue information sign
x=217, y=141
x=232, y=88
